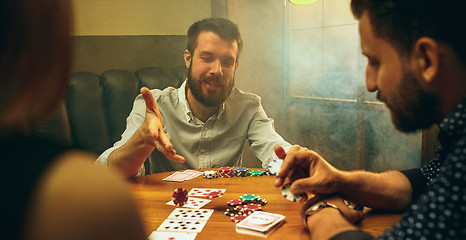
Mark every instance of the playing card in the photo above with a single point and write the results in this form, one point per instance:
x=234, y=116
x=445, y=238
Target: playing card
x=172, y=235
x=193, y=202
x=260, y=221
x=178, y=176
x=181, y=225
x=194, y=174
x=192, y=214
x=203, y=192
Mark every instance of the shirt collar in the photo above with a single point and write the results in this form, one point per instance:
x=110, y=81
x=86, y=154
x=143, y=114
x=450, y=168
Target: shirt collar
x=184, y=103
x=185, y=106
x=455, y=123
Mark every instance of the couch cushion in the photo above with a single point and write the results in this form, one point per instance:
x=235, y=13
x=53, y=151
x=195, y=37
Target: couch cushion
x=85, y=110
x=119, y=88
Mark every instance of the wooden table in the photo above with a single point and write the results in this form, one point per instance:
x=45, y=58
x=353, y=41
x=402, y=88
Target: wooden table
x=152, y=194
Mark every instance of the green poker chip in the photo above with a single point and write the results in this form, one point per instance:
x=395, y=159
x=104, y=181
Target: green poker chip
x=256, y=173
x=249, y=197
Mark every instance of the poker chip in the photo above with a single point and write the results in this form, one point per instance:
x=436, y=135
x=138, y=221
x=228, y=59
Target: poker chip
x=180, y=197
x=256, y=173
x=249, y=208
x=274, y=166
x=241, y=171
x=235, y=202
x=286, y=192
x=210, y=174
x=261, y=201
x=267, y=172
x=249, y=197
x=238, y=218
x=233, y=212
x=214, y=194
x=226, y=172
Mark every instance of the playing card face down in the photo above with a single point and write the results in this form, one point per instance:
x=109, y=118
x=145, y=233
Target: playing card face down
x=260, y=223
x=183, y=176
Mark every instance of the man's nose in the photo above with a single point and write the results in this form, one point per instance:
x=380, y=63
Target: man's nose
x=371, y=80
x=216, y=68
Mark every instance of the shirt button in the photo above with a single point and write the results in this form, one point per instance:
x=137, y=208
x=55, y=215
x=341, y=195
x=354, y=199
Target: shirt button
x=203, y=150
x=206, y=128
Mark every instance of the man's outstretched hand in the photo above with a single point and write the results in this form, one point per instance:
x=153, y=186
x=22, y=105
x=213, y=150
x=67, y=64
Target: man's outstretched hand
x=153, y=128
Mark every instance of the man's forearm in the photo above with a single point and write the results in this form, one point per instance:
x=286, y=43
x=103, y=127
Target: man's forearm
x=129, y=158
x=388, y=190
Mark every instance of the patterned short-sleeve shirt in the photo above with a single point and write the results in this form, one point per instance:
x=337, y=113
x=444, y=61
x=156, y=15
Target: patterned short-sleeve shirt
x=439, y=190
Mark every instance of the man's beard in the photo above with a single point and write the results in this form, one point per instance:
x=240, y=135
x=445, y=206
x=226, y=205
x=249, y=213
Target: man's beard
x=194, y=85
x=411, y=107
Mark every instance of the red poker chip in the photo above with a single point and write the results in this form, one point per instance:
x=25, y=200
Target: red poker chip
x=238, y=218
x=215, y=194
x=235, y=202
x=180, y=197
x=249, y=208
x=226, y=172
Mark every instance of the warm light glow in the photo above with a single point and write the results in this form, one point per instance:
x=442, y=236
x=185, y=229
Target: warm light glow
x=303, y=2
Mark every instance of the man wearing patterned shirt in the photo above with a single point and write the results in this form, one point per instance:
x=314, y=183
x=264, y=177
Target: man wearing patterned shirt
x=417, y=65
x=207, y=120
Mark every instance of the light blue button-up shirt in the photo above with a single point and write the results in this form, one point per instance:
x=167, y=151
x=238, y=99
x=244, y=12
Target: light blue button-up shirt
x=218, y=142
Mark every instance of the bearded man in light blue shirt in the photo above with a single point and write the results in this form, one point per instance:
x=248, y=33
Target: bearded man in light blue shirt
x=207, y=120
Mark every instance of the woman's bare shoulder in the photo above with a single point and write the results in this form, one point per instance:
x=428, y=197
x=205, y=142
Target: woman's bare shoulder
x=77, y=199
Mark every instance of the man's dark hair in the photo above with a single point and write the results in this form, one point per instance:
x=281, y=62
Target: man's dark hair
x=224, y=28
x=403, y=22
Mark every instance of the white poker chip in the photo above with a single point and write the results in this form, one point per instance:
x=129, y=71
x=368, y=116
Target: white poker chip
x=210, y=174
x=274, y=166
x=286, y=192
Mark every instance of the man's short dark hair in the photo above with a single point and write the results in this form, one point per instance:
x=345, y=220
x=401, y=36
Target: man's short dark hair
x=224, y=28
x=403, y=22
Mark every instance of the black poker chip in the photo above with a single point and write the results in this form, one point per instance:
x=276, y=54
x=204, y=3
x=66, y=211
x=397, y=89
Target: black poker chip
x=233, y=212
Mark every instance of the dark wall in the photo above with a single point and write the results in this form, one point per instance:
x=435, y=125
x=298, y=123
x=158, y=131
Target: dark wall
x=100, y=53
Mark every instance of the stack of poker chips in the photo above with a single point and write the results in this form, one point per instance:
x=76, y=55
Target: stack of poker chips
x=226, y=172
x=256, y=173
x=210, y=174
x=243, y=207
x=241, y=171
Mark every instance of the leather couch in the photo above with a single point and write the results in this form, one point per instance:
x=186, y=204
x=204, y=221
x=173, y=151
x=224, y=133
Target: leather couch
x=93, y=115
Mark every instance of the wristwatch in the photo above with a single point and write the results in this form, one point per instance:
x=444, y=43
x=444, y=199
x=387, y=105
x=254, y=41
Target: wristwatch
x=316, y=208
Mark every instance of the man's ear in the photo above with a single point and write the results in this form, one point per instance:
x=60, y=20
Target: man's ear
x=426, y=56
x=187, y=58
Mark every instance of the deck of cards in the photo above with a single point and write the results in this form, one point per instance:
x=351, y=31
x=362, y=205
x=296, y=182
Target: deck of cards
x=183, y=176
x=260, y=224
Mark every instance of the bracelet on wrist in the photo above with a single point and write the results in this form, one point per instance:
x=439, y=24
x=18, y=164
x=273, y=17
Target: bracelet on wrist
x=317, y=208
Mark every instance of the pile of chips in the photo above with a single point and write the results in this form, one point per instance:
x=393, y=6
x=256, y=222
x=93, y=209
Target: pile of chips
x=241, y=172
x=226, y=172
x=210, y=174
x=244, y=206
x=180, y=197
x=256, y=173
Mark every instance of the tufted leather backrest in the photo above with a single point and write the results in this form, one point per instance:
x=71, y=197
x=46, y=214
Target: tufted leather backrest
x=96, y=106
